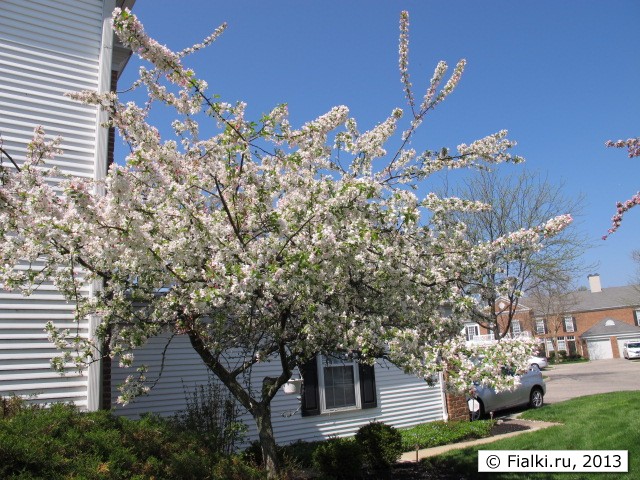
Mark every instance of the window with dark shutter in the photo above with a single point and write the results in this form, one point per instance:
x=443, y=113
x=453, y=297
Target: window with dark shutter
x=331, y=384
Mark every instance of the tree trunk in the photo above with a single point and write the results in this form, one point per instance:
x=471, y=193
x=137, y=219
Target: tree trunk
x=262, y=415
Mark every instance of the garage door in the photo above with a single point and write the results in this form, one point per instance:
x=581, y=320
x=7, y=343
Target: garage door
x=599, y=349
x=622, y=341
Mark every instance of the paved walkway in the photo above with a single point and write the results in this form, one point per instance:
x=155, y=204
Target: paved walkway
x=431, y=452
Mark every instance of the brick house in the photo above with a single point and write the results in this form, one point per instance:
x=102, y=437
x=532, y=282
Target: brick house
x=593, y=323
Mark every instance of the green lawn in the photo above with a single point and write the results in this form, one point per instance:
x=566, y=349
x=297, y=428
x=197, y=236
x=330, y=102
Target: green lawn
x=609, y=421
x=437, y=433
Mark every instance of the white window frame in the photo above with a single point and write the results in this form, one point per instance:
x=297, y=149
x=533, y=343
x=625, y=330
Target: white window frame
x=562, y=344
x=549, y=345
x=637, y=317
x=540, y=323
x=514, y=324
x=321, y=386
x=568, y=324
x=471, y=327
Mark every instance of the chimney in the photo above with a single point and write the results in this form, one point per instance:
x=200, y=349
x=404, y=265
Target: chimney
x=594, y=283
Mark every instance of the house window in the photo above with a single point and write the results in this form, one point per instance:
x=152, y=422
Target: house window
x=471, y=331
x=338, y=382
x=335, y=383
x=636, y=316
x=515, y=327
x=540, y=330
x=549, y=344
x=568, y=324
x=562, y=345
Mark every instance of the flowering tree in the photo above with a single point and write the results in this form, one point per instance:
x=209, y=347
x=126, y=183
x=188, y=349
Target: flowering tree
x=633, y=147
x=273, y=242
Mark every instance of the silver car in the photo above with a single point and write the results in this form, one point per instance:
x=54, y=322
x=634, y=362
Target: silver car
x=530, y=392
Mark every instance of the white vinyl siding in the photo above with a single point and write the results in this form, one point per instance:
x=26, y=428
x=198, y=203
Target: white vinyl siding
x=403, y=400
x=47, y=48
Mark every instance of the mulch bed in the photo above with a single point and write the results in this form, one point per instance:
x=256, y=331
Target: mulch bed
x=508, y=427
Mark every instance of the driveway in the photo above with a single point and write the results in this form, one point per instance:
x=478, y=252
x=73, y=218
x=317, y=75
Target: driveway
x=599, y=376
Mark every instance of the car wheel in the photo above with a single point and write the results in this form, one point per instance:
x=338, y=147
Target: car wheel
x=536, y=399
x=477, y=414
x=535, y=365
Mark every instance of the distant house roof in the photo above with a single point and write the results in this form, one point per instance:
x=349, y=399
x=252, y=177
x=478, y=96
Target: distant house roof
x=586, y=300
x=609, y=326
x=613, y=297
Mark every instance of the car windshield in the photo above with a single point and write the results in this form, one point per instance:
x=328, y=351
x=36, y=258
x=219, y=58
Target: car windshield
x=633, y=345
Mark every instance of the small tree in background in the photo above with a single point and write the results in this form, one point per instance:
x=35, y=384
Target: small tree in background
x=517, y=202
x=272, y=242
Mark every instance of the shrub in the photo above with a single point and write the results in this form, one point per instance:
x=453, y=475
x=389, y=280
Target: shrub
x=381, y=445
x=213, y=414
x=301, y=452
x=338, y=458
x=61, y=442
x=234, y=467
x=11, y=406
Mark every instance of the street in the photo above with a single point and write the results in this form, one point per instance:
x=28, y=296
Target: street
x=600, y=376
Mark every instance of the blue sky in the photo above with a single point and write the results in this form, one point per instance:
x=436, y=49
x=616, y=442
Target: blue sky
x=562, y=76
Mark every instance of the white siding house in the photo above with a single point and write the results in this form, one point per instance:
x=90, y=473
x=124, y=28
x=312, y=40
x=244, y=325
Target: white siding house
x=394, y=398
x=48, y=48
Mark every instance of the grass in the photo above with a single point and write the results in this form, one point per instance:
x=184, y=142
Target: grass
x=433, y=434
x=608, y=421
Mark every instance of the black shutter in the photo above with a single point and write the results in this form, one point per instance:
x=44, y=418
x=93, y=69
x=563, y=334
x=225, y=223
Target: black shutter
x=575, y=325
x=310, y=392
x=545, y=326
x=369, y=399
x=564, y=324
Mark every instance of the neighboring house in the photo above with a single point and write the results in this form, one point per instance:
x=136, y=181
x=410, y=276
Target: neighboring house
x=593, y=323
x=48, y=48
